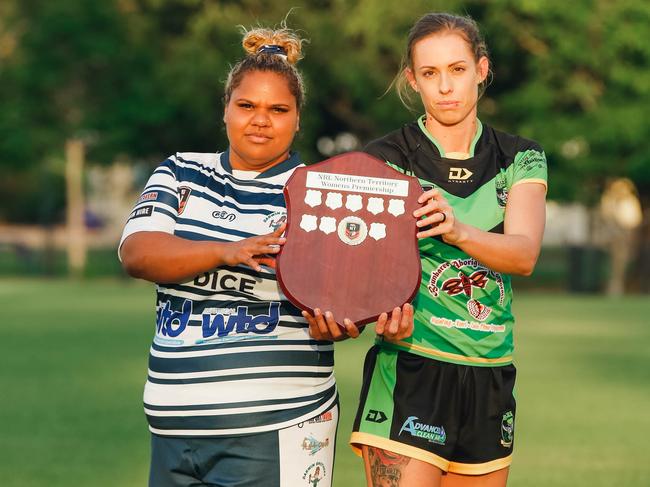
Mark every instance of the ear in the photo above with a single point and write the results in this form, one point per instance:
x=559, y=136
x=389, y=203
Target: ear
x=483, y=68
x=298, y=123
x=410, y=77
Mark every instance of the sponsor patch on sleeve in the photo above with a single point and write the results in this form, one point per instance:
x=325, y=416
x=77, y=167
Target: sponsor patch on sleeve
x=149, y=196
x=142, y=211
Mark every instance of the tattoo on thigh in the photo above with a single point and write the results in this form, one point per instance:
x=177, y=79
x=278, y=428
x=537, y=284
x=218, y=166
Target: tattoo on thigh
x=386, y=467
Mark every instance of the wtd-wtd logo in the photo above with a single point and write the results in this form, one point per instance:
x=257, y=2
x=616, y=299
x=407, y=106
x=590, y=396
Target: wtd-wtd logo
x=435, y=434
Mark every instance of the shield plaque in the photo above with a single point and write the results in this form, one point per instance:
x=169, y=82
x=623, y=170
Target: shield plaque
x=351, y=247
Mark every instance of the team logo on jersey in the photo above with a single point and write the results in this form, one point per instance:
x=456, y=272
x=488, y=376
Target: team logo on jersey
x=275, y=219
x=434, y=434
x=314, y=474
x=459, y=174
x=507, y=429
x=478, y=310
x=352, y=230
x=464, y=283
x=183, y=196
x=312, y=445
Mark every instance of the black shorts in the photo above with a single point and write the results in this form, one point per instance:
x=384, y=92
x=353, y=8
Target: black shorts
x=459, y=418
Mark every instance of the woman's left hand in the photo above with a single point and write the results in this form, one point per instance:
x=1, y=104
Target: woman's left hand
x=439, y=218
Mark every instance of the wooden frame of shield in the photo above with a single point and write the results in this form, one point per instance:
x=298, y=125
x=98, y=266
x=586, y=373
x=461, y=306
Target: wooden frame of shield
x=351, y=245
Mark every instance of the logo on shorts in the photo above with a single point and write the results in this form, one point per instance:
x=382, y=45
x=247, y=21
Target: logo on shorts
x=321, y=418
x=507, y=429
x=312, y=445
x=434, y=434
x=314, y=474
x=375, y=416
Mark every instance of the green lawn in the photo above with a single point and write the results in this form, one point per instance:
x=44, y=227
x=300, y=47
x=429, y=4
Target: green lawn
x=74, y=361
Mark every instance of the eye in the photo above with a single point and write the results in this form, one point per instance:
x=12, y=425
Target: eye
x=459, y=69
x=245, y=105
x=428, y=73
x=280, y=109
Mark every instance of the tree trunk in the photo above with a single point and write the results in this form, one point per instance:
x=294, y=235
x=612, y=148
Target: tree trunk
x=75, y=221
x=642, y=267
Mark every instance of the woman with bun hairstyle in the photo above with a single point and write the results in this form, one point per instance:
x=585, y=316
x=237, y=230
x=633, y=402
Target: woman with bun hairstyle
x=237, y=393
x=437, y=408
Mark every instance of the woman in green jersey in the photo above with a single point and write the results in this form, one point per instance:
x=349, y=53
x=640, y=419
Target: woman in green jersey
x=437, y=407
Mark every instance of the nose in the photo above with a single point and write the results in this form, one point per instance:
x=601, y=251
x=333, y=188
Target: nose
x=260, y=119
x=446, y=84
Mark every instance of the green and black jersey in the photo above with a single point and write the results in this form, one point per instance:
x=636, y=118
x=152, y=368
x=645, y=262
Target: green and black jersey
x=463, y=309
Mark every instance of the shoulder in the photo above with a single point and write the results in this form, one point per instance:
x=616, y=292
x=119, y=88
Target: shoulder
x=510, y=145
x=207, y=159
x=397, y=146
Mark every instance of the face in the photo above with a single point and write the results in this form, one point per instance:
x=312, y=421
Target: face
x=447, y=77
x=261, y=120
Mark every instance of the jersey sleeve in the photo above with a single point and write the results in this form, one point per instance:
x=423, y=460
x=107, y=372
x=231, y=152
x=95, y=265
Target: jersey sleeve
x=156, y=210
x=530, y=166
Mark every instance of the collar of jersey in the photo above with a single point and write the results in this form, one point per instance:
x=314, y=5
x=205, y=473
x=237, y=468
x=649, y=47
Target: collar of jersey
x=289, y=163
x=472, y=146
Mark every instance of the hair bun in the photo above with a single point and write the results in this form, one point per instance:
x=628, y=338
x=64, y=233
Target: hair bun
x=286, y=39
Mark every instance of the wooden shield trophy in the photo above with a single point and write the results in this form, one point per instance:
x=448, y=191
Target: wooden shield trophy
x=351, y=238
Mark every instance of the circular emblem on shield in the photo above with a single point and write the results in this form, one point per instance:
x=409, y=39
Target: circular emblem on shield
x=352, y=230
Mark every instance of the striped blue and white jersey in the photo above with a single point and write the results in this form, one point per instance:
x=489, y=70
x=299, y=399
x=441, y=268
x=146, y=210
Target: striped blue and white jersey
x=230, y=354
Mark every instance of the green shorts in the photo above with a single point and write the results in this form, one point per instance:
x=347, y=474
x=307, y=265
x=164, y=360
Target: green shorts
x=459, y=418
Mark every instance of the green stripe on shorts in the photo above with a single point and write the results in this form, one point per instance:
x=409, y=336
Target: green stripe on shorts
x=378, y=410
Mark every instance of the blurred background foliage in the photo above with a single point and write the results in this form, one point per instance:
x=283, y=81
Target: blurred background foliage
x=140, y=79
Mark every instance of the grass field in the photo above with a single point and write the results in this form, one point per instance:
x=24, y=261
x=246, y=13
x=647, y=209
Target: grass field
x=74, y=360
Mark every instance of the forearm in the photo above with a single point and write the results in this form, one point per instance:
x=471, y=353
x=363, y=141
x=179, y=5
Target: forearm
x=165, y=258
x=506, y=253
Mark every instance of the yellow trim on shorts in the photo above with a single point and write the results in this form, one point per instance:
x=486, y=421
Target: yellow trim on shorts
x=443, y=464
x=480, y=468
x=358, y=438
x=459, y=359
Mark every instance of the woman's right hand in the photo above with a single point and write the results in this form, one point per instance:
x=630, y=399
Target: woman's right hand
x=254, y=251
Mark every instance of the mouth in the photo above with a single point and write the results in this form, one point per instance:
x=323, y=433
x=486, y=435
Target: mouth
x=258, y=138
x=447, y=104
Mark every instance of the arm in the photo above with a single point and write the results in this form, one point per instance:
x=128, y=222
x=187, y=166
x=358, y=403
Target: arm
x=162, y=257
x=513, y=252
